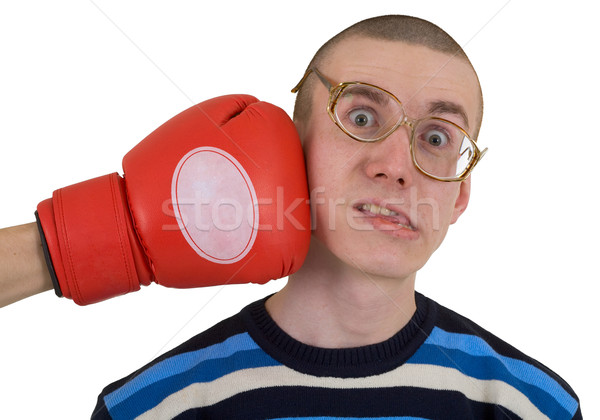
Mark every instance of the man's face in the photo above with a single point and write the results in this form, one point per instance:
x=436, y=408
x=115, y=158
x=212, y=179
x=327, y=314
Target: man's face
x=372, y=208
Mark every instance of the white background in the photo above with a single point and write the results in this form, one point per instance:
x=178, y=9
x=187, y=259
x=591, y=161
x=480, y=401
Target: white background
x=82, y=82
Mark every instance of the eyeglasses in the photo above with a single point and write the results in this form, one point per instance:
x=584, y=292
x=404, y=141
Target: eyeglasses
x=439, y=148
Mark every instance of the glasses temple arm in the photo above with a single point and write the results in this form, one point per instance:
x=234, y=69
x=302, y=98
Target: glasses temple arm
x=322, y=78
x=301, y=82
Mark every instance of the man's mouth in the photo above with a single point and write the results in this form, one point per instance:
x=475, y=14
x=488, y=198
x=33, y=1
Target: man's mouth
x=390, y=216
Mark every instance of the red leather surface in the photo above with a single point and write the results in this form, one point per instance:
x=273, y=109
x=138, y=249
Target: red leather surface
x=264, y=140
x=108, y=235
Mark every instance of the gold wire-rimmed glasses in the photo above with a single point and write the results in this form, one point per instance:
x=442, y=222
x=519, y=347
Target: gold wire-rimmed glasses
x=439, y=148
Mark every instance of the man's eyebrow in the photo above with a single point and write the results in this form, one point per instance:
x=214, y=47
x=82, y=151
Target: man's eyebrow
x=445, y=107
x=376, y=96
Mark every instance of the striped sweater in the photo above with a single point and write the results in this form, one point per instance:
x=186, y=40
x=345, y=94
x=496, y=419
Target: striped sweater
x=440, y=365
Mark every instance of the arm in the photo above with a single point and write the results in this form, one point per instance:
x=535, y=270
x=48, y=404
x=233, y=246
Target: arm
x=23, y=270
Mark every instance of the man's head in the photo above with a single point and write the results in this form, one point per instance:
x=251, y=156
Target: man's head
x=407, y=29
x=373, y=209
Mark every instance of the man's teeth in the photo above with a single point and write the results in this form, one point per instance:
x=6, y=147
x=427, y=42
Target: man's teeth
x=378, y=210
x=375, y=209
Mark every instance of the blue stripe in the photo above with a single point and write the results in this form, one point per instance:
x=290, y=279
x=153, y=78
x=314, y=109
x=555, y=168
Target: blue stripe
x=180, y=363
x=475, y=357
x=175, y=373
x=152, y=395
x=524, y=371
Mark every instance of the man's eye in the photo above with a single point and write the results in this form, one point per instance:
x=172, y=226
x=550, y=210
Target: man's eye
x=361, y=118
x=436, y=138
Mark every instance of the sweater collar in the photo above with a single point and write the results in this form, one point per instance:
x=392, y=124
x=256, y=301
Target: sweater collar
x=345, y=362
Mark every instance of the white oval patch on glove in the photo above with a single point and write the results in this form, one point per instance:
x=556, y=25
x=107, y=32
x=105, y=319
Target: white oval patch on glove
x=215, y=205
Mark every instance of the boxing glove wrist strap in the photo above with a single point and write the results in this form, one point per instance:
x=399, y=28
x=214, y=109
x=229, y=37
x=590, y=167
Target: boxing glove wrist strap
x=49, y=264
x=93, y=250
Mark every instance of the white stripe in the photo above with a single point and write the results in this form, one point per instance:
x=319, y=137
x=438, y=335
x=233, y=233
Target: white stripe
x=414, y=375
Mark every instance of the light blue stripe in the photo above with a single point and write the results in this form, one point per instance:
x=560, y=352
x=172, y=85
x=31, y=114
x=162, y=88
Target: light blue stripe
x=178, y=364
x=521, y=370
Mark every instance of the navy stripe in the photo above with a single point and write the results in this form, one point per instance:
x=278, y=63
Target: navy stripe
x=316, y=402
x=350, y=418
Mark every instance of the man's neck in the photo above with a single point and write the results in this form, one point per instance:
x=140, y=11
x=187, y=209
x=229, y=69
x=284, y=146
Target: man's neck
x=338, y=306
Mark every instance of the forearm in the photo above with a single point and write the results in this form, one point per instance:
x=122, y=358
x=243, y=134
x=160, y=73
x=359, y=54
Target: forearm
x=23, y=270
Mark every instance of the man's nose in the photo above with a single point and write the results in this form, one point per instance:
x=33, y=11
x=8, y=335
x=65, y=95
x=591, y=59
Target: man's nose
x=391, y=159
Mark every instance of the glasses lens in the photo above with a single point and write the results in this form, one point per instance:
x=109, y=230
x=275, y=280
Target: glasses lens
x=366, y=112
x=442, y=149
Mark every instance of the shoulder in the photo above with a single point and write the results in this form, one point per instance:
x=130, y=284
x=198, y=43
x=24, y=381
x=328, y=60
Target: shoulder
x=165, y=373
x=457, y=343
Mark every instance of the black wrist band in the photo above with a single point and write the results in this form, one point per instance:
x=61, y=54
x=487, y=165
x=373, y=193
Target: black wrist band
x=47, y=257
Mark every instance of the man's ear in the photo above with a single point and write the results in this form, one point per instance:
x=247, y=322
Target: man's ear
x=462, y=200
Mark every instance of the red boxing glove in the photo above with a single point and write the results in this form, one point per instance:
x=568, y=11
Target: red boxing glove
x=215, y=195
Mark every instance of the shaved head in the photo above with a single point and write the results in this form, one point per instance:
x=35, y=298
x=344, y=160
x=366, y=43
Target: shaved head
x=407, y=29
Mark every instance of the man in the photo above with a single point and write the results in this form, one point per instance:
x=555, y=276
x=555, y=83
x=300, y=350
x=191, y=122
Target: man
x=388, y=157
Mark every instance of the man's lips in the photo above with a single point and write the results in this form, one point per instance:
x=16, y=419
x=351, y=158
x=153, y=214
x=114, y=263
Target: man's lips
x=389, y=214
